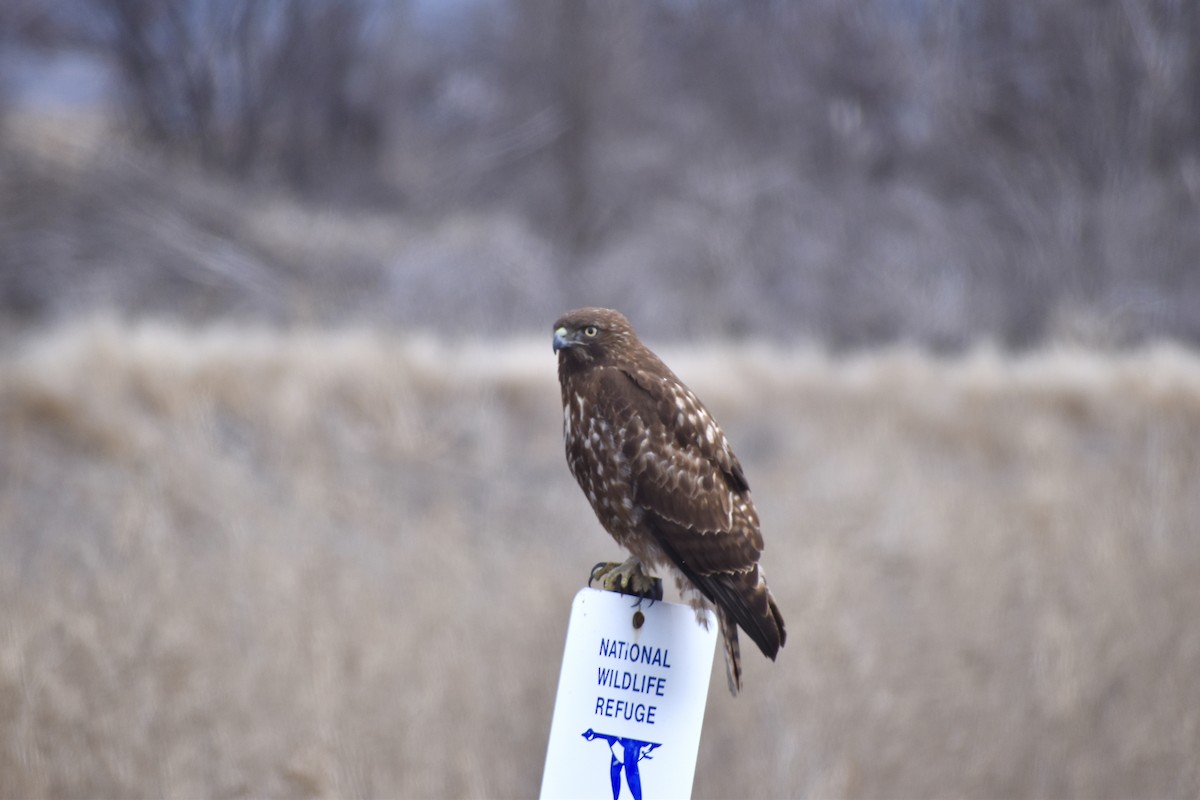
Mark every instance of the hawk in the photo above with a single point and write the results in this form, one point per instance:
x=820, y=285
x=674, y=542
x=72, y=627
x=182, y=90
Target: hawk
x=660, y=476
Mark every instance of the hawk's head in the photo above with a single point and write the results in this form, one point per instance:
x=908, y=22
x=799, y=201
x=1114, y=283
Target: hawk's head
x=589, y=335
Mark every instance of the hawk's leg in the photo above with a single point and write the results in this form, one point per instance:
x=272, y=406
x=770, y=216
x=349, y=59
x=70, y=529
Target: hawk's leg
x=628, y=577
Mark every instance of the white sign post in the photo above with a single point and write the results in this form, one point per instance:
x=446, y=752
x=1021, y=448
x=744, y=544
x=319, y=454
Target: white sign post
x=630, y=701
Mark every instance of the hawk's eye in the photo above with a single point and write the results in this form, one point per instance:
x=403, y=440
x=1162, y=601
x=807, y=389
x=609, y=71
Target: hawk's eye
x=590, y=331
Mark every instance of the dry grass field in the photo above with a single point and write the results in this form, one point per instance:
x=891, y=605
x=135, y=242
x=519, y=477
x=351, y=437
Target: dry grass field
x=239, y=562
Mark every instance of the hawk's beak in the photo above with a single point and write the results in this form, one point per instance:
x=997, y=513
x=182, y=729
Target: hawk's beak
x=561, y=340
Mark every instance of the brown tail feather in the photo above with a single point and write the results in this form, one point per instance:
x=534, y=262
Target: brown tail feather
x=778, y=620
x=733, y=651
x=750, y=605
x=743, y=595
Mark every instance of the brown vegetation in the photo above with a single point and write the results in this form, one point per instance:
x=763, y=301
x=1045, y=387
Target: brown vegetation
x=240, y=562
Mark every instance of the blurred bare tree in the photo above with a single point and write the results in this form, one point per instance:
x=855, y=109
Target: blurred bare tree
x=933, y=169
x=281, y=86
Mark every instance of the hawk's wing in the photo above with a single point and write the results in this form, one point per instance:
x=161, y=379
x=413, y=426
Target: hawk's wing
x=683, y=469
x=692, y=489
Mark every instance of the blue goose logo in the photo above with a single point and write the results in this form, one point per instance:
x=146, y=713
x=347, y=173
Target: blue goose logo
x=626, y=753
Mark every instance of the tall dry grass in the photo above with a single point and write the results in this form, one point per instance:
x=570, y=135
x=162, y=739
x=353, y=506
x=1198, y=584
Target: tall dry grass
x=249, y=563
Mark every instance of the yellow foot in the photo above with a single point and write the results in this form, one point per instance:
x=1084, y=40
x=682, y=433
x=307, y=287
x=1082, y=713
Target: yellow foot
x=627, y=578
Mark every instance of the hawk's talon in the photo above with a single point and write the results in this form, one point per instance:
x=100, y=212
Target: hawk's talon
x=601, y=569
x=643, y=598
x=627, y=578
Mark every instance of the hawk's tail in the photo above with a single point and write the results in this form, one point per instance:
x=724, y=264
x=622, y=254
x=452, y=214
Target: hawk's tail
x=742, y=600
x=767, y=631
x=733, y=651
x=746, y=599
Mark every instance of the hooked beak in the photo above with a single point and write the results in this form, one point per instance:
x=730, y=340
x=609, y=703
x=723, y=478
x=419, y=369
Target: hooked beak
x=561, y=340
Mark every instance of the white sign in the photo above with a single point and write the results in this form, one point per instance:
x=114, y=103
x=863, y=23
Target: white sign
x=630, y=700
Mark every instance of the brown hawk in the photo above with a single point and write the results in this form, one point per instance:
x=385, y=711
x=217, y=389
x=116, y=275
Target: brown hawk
x=659, y=474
